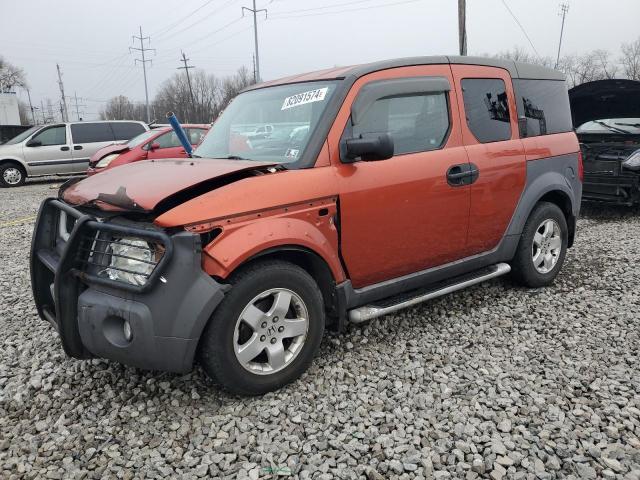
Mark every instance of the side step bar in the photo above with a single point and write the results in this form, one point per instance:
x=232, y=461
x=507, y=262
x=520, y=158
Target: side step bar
x=368, y=312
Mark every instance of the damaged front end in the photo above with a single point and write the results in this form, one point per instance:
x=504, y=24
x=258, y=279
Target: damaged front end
x=606, y=114
x=110, y=281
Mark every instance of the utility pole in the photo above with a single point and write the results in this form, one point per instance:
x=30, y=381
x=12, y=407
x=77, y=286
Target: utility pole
x=564, y=8
x=186, y=71
x=144, y=61
x=63, y=104
x=462, y=26
x=42, y=111
x=33, y=115
x=75, y=96
x=255, y=34
x=253, y=62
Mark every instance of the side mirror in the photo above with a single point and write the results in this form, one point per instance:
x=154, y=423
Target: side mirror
x=154, y=146
x=34, y=143
x=378, y=146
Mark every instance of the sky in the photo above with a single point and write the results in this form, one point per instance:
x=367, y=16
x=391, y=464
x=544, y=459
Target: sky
x=90, y=39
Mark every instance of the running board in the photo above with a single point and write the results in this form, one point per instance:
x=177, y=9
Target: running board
x=378, y=309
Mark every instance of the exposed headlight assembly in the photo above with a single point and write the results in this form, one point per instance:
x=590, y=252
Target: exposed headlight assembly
x=105, y=161
x=131, y=260
x=633, y=162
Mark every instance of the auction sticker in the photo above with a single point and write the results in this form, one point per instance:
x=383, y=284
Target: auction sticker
x=303, y=98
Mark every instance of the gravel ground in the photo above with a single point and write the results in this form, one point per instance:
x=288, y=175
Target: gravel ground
x=493, y=382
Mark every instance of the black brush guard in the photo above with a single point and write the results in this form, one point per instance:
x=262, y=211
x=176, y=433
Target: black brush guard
x=70, y=264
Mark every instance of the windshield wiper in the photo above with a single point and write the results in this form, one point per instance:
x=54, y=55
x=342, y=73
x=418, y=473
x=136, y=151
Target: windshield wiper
x=235, y=157
x=635, y=125
x=611, y=127
x=193, y=155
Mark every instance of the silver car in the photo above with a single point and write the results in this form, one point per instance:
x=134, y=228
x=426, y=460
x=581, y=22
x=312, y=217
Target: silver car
x=60, y=149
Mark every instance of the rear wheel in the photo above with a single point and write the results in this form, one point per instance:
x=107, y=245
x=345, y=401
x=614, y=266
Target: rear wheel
x=542, y=247
x=11, y=175
x=266, y=331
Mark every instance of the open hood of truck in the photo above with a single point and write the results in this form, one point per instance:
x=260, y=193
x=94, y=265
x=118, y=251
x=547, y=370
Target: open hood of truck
x=143, y=186
x=604, y=99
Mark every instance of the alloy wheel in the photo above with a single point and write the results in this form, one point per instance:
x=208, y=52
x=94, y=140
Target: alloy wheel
x=547, y=246
x=271, y=331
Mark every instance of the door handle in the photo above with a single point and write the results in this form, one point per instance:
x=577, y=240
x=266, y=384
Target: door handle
x=462, y=174
x=65, y=148
x=77, y=147
x=457, y=174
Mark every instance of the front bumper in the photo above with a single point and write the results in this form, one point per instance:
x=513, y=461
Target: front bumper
x=615, y=189
x=166, y=315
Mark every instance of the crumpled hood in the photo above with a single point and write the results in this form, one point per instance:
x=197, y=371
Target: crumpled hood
x=141, y=186
x=604, y=99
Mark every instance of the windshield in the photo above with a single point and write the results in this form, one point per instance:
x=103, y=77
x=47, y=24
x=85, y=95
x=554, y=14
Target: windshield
x=271, y=124
x=22, y=136
x=141, y=138
x=624, y=126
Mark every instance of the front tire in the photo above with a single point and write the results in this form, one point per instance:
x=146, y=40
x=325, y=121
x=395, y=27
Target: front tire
x=266, y=331
x=542, y=247
x=11, y=175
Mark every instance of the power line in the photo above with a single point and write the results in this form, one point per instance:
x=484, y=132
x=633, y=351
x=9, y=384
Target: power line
x=281, y=16
x=564, y=8
x=144, y=61
x=521, y=28
x=164, y=30
x=204, y=17
x=255, y=12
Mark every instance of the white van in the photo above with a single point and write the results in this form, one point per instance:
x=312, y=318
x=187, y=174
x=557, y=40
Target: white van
x=60, y=149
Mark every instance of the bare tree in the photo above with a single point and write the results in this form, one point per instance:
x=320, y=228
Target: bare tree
x=121, y=108
x=10, y=77
x=210, y=93
x=630, y=59
x=25, y=113
x=608, y=69
x=519, y=54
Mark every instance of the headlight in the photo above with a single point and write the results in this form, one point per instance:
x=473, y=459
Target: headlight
x=132, y=260
x=105, y=161
x=633, y=162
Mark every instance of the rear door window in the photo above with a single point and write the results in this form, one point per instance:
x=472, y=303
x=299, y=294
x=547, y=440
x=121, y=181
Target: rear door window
x=126, y=130
x=543, y=107
x=52, y=136
x=91, y=133
x=487, y=109
x=417, y=123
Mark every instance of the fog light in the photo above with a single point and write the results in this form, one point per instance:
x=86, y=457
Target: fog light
x=126, y=330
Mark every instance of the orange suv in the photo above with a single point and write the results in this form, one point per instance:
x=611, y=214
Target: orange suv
x=375, y=188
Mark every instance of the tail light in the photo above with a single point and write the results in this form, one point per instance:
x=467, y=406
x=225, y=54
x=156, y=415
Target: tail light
x=580, y=167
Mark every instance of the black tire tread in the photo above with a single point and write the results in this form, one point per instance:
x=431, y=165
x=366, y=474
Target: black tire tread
x=522, y=269
x=7, y=164
x=209, y=352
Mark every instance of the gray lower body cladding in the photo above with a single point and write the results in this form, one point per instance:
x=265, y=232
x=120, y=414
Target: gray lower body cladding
x=166, y=319
x=554, y=176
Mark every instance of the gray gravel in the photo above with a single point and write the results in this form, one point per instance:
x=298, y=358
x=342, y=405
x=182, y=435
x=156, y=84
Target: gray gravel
x=494, y=382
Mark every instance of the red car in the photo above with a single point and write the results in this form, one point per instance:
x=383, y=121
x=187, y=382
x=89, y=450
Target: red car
x=159, y=142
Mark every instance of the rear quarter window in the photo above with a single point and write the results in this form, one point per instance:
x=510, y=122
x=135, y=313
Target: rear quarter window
x=91, y=133
x=126, y=130
x=487, y=109
x=543, y=107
